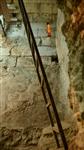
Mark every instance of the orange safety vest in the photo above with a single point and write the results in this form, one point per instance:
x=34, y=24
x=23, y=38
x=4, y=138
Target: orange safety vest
x=49, y=30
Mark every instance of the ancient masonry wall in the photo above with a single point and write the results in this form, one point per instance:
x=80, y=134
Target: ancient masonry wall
x=41, y=10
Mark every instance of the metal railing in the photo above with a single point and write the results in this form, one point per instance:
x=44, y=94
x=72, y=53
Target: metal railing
x=47, y=94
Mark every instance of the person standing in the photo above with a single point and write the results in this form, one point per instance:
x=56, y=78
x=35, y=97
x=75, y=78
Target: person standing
x=49, y=30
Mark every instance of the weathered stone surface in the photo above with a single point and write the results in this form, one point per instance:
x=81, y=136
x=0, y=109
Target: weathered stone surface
x=8, y=61
x=21, y=49
x=4, y=51
x=62, y=52
x=48, y=10
x=77, y=142
x=21, y=92
x=48, y=130
x=72, y=30
x=19, y=139
x=47, y=140
x=25, y=62
x=21, y=98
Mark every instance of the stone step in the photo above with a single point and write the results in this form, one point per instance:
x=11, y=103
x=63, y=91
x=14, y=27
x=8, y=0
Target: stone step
x=13, y=9
x=11, y=6
x=14, y=19
x=8, y=11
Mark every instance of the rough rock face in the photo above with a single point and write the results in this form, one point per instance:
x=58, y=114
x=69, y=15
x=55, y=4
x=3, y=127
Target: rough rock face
x=62, y=52
x=77, y=142
x=47, y=140
x=73, y=29
x=19, y=139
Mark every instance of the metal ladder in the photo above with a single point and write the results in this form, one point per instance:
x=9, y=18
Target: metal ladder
x=47, y=94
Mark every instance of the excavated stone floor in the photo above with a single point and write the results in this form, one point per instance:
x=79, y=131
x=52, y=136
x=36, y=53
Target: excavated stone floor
x=23, y=114
x=22, y=108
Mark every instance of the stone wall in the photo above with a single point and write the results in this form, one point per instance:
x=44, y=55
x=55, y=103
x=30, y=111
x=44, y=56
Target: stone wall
x=41, y=10
x=62, y=52
x=73, y=30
